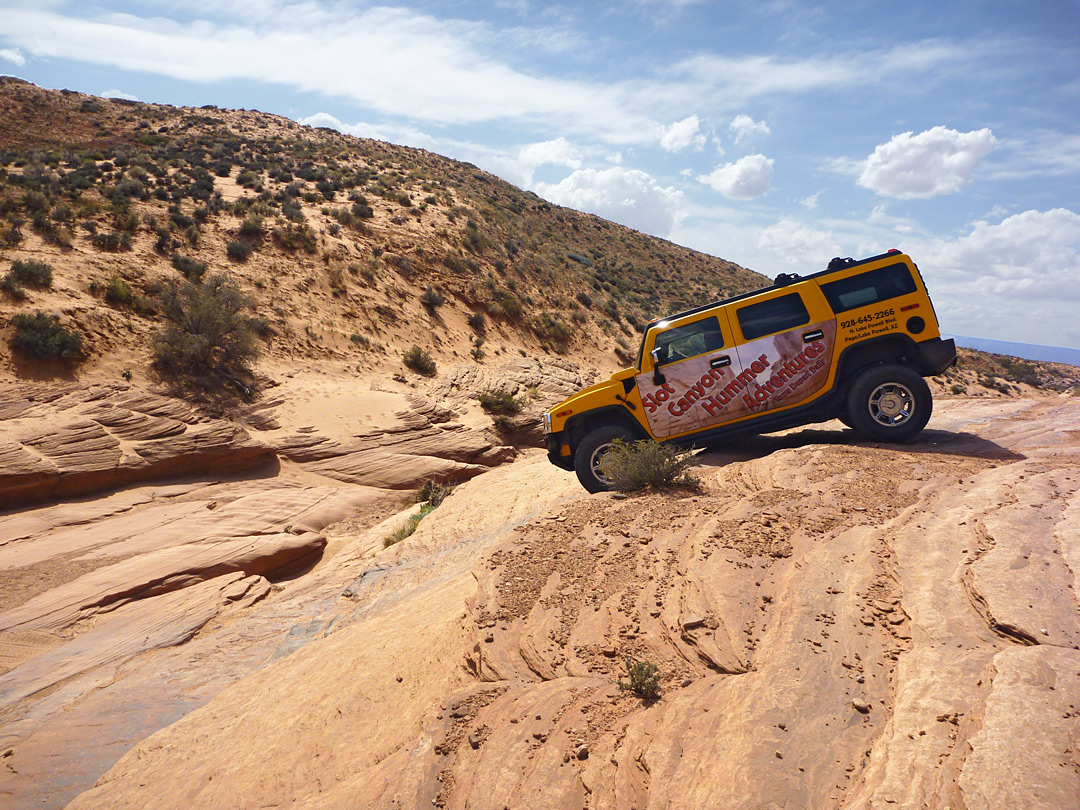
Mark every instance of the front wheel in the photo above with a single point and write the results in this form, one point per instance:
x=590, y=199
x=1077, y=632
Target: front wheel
x=889, y=404
x=591, y=451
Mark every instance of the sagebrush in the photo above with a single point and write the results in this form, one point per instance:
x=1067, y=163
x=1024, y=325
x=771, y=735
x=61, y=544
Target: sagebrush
x=633, y=466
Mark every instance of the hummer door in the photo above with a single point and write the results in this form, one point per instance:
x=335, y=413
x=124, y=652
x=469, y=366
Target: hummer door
x=785, y=345
x=682, y=390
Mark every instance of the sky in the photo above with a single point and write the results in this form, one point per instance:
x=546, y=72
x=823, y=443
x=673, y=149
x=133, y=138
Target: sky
x=772, y=133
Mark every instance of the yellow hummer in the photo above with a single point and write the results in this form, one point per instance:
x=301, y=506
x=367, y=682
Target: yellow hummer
x=853, y=342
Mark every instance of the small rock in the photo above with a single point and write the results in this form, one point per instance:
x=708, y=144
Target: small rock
x=779, y=755
x=474, y=740
x=489, y=638
x=1045, y=632
x=690, y=622
x=860, y=705
x=582, y=752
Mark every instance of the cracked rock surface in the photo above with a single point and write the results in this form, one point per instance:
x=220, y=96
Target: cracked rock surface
x=835, y=624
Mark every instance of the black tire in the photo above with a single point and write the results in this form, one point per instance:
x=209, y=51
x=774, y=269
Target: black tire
x=591, y=449
x=889, y=404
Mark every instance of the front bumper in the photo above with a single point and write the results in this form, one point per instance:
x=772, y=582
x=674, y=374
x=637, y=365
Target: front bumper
x=554, y=443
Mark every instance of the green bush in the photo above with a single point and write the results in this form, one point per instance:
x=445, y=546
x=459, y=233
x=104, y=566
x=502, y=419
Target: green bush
x=420, y=361
x=40, y=335
x=118, y=291
x=34, y=273
x=112, y=242
x=192, y=269
x=634, y=466
x=477, y=321
x=432, y=298
x=643, y=679
x=207, y=333
x=431, y=493
x=499, y=402
x=238, y=250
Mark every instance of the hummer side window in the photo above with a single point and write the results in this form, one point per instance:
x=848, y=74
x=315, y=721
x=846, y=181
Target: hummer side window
x=774, y=315
x=869, y=288
x=689, y=340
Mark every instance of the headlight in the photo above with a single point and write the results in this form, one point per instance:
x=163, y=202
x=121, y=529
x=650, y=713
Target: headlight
x=547, y=421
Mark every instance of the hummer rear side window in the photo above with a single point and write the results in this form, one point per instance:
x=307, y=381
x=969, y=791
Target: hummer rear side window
x=869, y=288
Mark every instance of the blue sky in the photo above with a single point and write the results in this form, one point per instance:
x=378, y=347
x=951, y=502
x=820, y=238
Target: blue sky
x=776, y=133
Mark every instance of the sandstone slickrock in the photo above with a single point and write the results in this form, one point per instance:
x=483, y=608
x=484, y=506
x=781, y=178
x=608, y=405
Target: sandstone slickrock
x=812, y=577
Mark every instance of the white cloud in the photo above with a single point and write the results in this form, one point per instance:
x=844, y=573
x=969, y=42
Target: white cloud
x=937, y=161
x=626, y=196
x=13, y=55
x=799, y=243
x=994, y=279
x=746, y=178
x=746, y=128
x=811, y=202
x=119, y=94
x=1032, y=254
x=682, y=134
x=393, y=133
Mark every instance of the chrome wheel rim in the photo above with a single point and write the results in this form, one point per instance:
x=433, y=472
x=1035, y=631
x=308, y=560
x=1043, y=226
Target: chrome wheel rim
x=891, y=404
x=594, y=463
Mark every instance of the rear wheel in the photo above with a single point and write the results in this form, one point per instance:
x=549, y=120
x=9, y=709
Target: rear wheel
x=591, y=451
x=889, y=404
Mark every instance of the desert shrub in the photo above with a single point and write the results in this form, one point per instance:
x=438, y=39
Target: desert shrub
x=510, y=305
x=295, y=237
x=551, y=330
x=643, y=679
x=636, y=465
x=118, y=291
x=432, y=298
x=499, y=402
x=957, y=388
x=207, y=334
x=252, y=227
x=111, y=241
x=30, y=271
x=238, y=250
x=584, y=299
x=433, y=492
x=477, y=321
x=420, y=361
x=191, y=269
x=41, y=335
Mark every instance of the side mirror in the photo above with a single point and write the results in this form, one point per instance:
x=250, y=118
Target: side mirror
x=657, y=377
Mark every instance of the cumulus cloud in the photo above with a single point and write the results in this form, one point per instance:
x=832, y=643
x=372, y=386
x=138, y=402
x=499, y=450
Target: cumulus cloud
x=627, y=196
x=13, y=55
x=682, y=134
x=937, y=161
x=746, y=128
x=394, y=133
x=1033, y=256
x=798, y=243
x=746, y=178
x=119, y=94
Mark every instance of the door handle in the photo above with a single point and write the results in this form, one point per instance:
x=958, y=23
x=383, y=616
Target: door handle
x=720, y=362
x=810, y=337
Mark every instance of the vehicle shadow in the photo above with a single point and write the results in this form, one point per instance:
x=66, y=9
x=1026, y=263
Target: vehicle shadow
x=936, y=442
